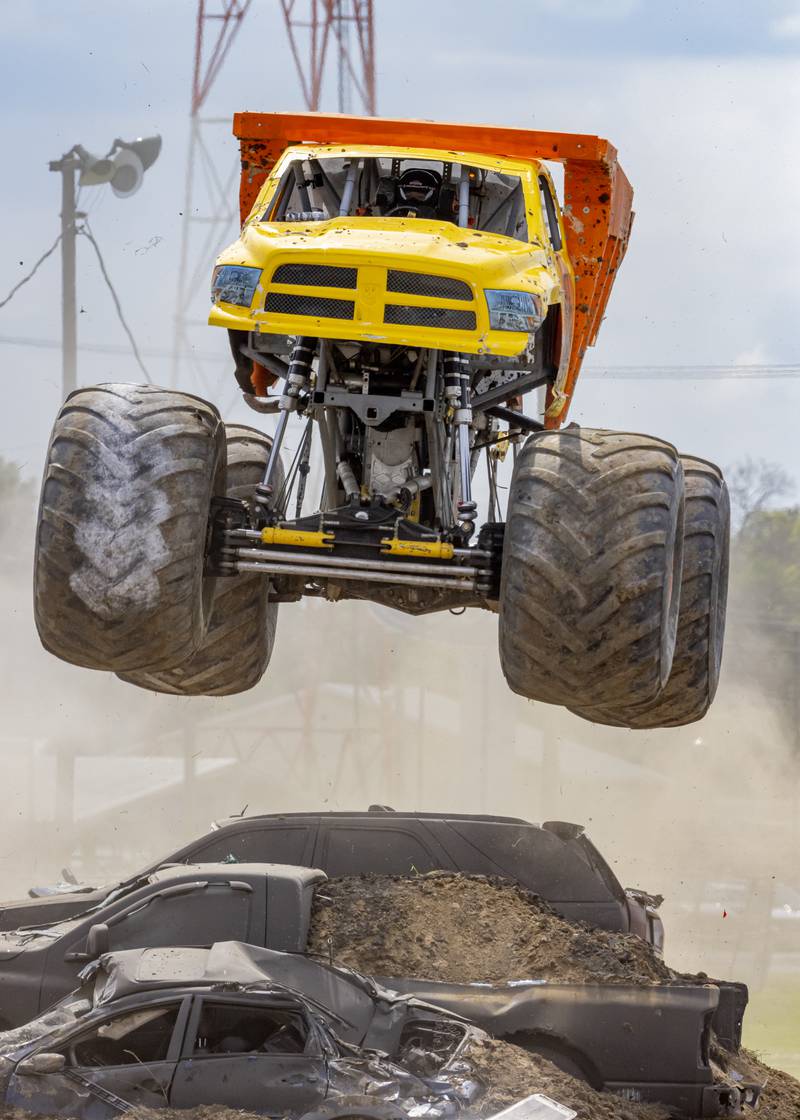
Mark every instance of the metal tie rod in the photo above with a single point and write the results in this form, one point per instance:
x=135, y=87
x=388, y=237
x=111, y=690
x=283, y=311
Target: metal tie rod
x=311, y=570
x=361, y=565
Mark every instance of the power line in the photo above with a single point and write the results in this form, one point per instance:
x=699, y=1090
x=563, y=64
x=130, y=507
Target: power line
x=591, y=373
x=691, y=373
x=104, y=348
x=87, y=233
x=33, y=271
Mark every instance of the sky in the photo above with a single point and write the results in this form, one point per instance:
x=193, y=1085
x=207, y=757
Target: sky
x=699, y=97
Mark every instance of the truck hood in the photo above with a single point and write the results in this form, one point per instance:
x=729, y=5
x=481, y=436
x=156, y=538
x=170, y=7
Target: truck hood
x=417, y=241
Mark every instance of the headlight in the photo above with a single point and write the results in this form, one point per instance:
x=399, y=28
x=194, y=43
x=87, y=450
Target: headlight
x=232, y=283
x=512, y=311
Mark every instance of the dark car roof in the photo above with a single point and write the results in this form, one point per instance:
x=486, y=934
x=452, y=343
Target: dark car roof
x=371, y=814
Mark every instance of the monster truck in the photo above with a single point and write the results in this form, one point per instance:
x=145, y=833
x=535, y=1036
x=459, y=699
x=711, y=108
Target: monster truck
x=409, y=283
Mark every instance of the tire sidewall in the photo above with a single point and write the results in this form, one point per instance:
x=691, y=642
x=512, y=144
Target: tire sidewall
x=671, y=599
x=175, y=622
x=208, y=583
x=719, y=592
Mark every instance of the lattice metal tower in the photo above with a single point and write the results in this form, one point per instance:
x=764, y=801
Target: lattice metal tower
x=317, y=29
x=310, y=25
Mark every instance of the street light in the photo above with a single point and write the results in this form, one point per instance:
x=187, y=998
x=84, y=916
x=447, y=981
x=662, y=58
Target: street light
x=123, y=167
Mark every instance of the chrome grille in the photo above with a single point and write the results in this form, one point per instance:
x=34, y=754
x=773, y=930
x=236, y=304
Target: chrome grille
x=421, y=284
x=316, y=275
x=444, y=318
x=284, y=303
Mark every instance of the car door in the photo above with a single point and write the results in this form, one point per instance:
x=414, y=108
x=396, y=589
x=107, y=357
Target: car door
x=356, y=846
x=126, y=1057
x=190, y=914
x=255, y=1054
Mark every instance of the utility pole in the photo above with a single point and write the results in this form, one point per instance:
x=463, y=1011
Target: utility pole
x=123, y=168
x=68, y=165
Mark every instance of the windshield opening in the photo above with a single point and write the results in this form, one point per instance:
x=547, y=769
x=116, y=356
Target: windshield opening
x=315, y=190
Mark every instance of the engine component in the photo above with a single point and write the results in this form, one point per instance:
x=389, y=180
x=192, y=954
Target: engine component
x=391, y=459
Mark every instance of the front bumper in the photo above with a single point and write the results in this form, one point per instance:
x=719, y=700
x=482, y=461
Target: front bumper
x=374, y=308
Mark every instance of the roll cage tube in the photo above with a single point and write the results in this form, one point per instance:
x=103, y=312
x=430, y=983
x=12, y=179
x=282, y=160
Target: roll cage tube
x=597, y=198
x=355, y=185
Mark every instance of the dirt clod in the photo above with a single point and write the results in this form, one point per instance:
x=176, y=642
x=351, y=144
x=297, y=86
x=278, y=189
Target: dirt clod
x=459, y=929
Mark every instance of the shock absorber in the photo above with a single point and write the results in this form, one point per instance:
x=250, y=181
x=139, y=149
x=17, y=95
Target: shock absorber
x=296, y=380
x=457, y=395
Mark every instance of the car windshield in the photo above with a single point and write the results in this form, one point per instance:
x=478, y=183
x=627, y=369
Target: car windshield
x=317, y=189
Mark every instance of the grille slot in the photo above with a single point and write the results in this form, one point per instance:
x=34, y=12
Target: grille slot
x=316, y=275
x=422, y=284
x=444, y=318
x=283, y=303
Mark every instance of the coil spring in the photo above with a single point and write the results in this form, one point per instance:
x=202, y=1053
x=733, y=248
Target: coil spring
x=467, y=514
x=299, y=368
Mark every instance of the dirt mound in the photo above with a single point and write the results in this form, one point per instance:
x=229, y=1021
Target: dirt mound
x=510, y=1073
x=780, y=1099
x=462, y=928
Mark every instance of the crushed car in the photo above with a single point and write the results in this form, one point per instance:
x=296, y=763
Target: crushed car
x=556, y=860
x=236, y=1026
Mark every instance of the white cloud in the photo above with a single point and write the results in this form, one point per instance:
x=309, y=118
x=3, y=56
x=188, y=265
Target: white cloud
x=757, y=355
x=786, y=27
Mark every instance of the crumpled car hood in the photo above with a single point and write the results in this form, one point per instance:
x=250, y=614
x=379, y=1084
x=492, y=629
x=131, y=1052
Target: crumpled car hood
x=449, y=1093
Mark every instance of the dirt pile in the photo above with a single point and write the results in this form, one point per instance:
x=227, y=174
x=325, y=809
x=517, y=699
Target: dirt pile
x=460, y=928
x=780, y=1099
x=510, y=1073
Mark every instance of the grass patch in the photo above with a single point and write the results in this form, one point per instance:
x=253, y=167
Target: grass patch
x=772, y=1022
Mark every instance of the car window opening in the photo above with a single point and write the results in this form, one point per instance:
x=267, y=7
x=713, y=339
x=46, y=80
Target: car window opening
x=316, y=190
x=139, y=1036
x=234, y=1029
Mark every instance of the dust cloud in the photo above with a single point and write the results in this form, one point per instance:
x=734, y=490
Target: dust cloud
x=362, y=706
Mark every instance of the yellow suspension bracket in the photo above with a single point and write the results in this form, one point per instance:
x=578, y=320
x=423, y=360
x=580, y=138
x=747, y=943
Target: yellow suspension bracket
x=499, y=450
x=431, y=550
x=299, y=538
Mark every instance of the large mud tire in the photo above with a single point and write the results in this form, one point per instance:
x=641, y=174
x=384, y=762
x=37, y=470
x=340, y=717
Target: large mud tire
x=694, y=677
x=118, y=571
x=238, y=644
x=591, y=572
